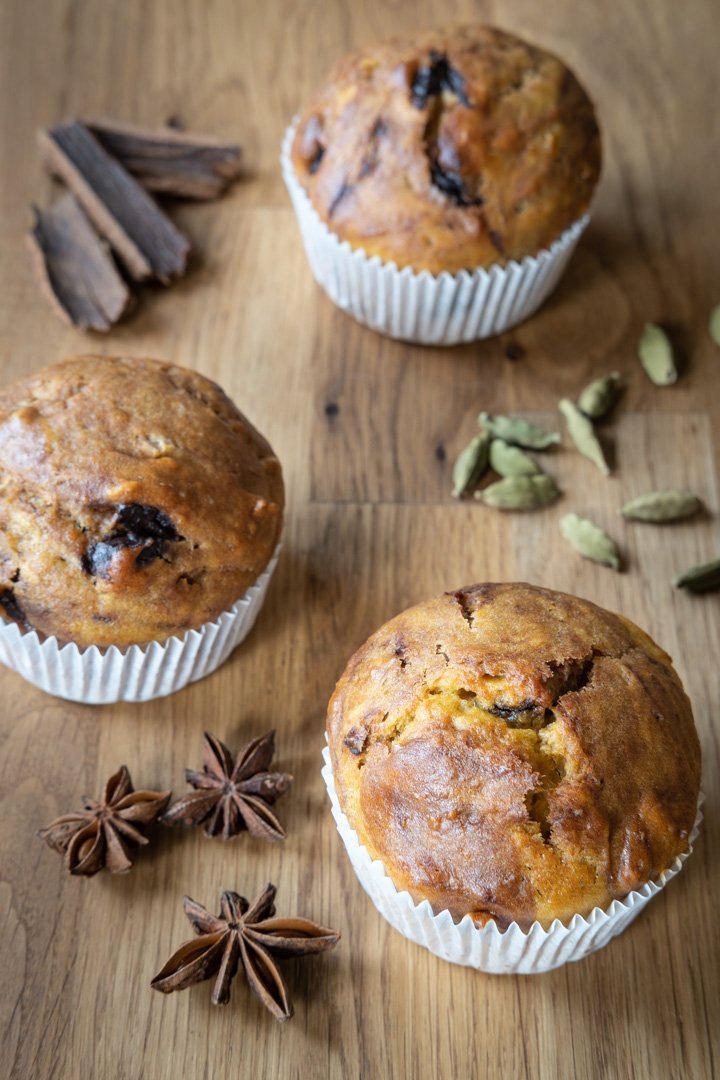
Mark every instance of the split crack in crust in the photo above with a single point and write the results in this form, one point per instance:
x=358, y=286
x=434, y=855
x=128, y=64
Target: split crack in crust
x=439, y=87
x=570, y=677
x=461, y=596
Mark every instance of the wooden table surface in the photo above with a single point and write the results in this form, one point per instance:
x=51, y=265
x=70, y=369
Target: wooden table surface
x=366, y=429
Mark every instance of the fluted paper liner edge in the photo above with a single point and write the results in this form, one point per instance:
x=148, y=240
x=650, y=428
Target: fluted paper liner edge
x=510, y=952
x=97, y=676
x=442, y=309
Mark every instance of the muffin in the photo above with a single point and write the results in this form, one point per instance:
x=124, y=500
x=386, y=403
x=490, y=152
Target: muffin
x=136, y=502
x=515, y=755
x=454, y=151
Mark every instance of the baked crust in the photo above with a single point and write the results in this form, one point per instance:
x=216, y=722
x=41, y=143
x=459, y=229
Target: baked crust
x=136, y=501
x=515, y=753
x=449, y=149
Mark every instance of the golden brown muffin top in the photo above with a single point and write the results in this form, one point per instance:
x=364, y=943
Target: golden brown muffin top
x=515, y=753
x=449, y=149
x=136, y=501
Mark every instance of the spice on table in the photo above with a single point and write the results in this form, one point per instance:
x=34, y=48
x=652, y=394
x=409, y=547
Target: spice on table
x=519, y=432
x=507, y=460
x=101, y=834
x=171, y=162
x=656, y=355
x=599, y=396
x=75, y=268
x=470, y=464
x=144, y=238
x=520, y=492
x=714, y=324
x=583, y=435
x=109, y=168
x=702, y=578
x=232, y=796
x=662, y=506
x=247, y=934
x=589, y=540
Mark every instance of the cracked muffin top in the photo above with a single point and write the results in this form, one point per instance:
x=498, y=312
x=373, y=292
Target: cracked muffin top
x=515, y=754
x=136, y=501
x=449, y=149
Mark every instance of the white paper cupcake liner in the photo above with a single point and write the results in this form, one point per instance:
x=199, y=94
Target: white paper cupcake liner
x=443, y=309
x=140, y=672
x=509, y=952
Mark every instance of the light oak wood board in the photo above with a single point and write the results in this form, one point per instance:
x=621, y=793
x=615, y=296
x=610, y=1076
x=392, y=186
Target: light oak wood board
x=371, y=528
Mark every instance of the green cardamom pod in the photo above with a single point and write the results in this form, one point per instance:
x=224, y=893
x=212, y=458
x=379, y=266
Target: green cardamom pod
x=518, y=432
x=714, y=324
x=599, y=396
x=700, y=578
x=583, y=435
x=470, y=464
x=510, y=460
x=671, y=505
x=520, y=492
x=589, y=540
x=656, y=355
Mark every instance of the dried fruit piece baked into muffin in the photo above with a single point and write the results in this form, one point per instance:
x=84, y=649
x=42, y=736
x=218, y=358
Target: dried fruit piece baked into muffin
x=515, y=753
x=449, y=149
x=136, y=501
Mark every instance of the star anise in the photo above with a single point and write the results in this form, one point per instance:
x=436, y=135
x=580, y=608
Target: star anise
x=242, y=933
x=232, y=796
x=100, y=835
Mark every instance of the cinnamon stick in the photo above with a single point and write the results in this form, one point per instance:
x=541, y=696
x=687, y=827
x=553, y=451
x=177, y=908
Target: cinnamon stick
x=121, y=210
x=75, y=269
x=172, y=162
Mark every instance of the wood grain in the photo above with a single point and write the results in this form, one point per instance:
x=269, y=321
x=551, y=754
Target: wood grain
x=372, y=528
